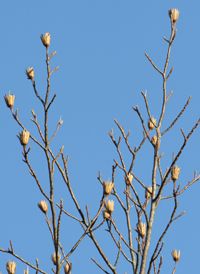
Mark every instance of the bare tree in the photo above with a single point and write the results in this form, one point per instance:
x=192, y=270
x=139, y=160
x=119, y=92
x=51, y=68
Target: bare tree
x=135, y=208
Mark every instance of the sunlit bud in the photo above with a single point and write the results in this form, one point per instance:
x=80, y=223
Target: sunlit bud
x=30, y=73
x=43, y=206
x=106, y=215
x=175, y=256
x=9, y=100
x=53, y=258
x=175, y=173
x=107, y=187
x=24, y=137
x=11, y=267
x=68, y=268
x=141, y=229
x=26, y=271
x=109, y=206
x=128, y=179
x=45, y=39
x=60, y=121
x=173, y=14
x=151, y=123
x=147, y=194
x=154, y=140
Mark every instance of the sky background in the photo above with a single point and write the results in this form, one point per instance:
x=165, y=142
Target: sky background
x=102, y=70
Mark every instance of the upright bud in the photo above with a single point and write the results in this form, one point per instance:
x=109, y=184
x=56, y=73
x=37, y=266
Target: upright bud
x=175, y=256
x=53, y=258
x=147, y=194
x=45, y=39
x=106, y=215
x=175, y=173
x=11, y=267
x=43, y=206
x=24, y=137
x=154, y=140
x=109, y=206
x=9, y=100
x=68, y=268
x=151, y=123
x=107, y=188
x=30, y=73
x=141, y=229
x=128, y=179
x=173, y=14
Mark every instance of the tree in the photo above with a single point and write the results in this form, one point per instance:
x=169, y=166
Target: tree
x=144, y=210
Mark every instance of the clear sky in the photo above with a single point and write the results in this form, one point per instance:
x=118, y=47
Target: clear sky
x=102, y=70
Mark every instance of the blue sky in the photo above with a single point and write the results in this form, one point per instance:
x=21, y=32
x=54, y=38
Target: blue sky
x=102, y=70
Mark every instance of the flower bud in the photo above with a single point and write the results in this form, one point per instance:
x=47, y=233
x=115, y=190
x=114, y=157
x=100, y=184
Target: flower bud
x=147, y=194
x=151, y=123
x=11, y=267
x=68, y=268
x=43, y=206
x=107, y=187
x=141, y=229
x=53, y=258
x=128, y=179
x=173, y=14
x=9, y=100
x=109, y=206
x=175, y=256
x=24, y=137
x=154, y=140
x=175, y=173
x=45, y=39
x=106, y=215
x=30, y=73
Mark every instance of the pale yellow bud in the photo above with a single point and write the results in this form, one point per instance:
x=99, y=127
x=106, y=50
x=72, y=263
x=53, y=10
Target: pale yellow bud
x=141, y=229
x=11, y=267
x=30, y=73
x=9, y=100
x=154, y=140
x=45, y=39
x=175, y=256
x=106, y=215
x=173, y=14
x=147, y=194
x=43, y=206
x=53, y=258
x=151, y=123
x=68, y=268
x=107, y=187
x=24, y=137
x=175, y=173
x=109, y=206
x=128, y=179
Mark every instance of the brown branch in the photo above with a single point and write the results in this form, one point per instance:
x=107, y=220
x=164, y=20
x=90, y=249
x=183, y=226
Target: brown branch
x=153, y=64
x=179, y=115
x=54, y=70
x=100, y=266
x=51, y=101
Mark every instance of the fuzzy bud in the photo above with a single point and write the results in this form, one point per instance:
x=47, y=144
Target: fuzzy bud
x=9, y=100
x=53, y=258
x=141, y=229
x=11, y=267
x=154, y=140
x=45, y=39
x=147, y=194
x=175, y=173
x=30, y=73
x=175, y=256
x=24, y=137
x=128, y=179
x=173, y=14
x=109, y=206
x=151, y=123
x=43, y=206
x=68, y=268
x=107, y=187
